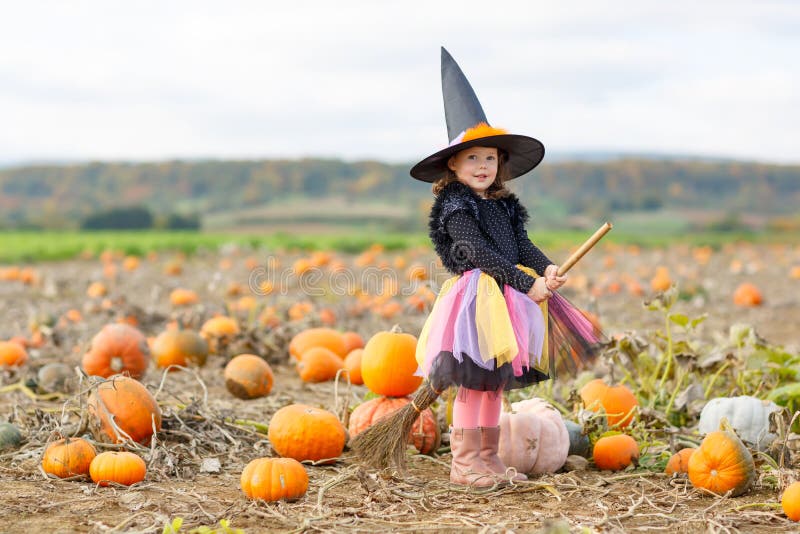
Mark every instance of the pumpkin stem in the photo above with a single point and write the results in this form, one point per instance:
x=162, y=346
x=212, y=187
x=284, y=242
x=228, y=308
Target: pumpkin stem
x=396, y=329
x=725, y=426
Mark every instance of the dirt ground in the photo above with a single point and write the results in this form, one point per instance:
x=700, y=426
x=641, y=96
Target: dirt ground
x=182, y=482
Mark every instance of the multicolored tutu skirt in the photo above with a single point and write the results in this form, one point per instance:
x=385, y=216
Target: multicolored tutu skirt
x=482, y=337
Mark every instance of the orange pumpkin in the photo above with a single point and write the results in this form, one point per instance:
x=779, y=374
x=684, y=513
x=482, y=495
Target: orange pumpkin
x=722, y=463
x=122, y=467
x=319, y=364
x=317, y=337
x=747, y=295
x=117, y=348
x=96, y=290
x=662, y=280
x=12, y=354
x=306, y=433
x=353, y=365
x=679, y=462
x=424, y=434
x=790, y=501
x=219, y=332
x=248, y=376
x=614, y=453
x=68, y=457
x=389, y=362
x=179, y=347
x=183, y=297
x=128, y=403
x=352, y=341
x=274, y=479
x=618, y=402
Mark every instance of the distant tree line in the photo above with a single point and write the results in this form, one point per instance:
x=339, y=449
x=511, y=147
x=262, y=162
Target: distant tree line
x=138, y=218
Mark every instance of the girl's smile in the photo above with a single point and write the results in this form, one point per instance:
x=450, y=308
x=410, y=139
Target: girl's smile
x=475, y=167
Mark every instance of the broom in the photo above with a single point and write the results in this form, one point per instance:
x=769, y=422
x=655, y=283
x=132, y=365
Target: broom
x=384, y=443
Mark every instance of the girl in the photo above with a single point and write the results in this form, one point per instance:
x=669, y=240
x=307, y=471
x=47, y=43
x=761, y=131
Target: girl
x=487, y=331
x=487, y=328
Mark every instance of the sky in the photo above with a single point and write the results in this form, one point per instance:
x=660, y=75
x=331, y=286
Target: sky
x=110, y=80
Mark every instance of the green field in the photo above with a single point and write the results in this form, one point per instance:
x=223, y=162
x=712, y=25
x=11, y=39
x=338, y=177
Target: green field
x=17, y=247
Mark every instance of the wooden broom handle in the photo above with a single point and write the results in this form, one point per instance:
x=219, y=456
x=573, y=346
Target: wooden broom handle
x=578, y=254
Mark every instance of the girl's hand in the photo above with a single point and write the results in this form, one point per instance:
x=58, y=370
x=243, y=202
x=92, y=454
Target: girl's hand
x=553, y=281
x=539, y=291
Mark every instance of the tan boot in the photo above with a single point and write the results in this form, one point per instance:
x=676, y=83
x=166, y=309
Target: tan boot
x=467, y=468
x=490, y=443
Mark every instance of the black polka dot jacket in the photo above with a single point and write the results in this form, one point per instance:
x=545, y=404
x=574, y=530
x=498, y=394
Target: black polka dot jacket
x=470, y=232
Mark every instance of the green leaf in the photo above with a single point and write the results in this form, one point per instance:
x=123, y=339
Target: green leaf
x=679, y=319
x=696, y=321
x=174, y=527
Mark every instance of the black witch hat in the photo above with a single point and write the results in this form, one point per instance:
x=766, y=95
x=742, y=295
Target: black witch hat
x=467, y=127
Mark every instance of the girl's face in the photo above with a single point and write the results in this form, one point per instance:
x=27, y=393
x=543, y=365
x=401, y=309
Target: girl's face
x=476, y=167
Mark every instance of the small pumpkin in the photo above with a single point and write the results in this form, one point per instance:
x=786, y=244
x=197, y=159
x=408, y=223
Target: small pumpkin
x=352, y=341
x=533, y=437
x=179, y=347
x=722, y=463
x=56, y=377
x=790, y=501
x=614, y=453
x=248, y=376
x=68, y=457
x=117, y=348
x=679, y=462
x=424, y=434
x=319, y=364
x=305, y=433
x=389, y=364
x=618, y=402
x=10, y=436
x=12, y=354
x=747, y=295
x=578, y=441
x=353, y=365
x=317, y=337
x=274, y=479
x=122, y=467
x=131, y=407
x=183, y=297
x=219, y=332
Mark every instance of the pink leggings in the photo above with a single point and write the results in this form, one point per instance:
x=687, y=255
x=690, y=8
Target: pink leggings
x=474, y=408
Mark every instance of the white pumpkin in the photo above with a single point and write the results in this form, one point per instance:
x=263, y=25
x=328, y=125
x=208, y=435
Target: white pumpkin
x=533, y=437
x=748, y=416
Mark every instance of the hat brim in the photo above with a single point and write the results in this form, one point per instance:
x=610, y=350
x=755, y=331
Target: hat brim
x=524, y=153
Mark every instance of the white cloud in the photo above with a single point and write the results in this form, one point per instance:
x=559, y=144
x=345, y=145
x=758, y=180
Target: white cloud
x=155, y=80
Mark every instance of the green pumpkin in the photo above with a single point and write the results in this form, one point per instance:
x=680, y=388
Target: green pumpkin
x=10, y=436
x=578, y=441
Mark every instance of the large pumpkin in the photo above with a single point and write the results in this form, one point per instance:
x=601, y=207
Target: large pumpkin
x=68, y=457
x=121, y=467
x=318, y=337
x=273, y=479
x=618, y=402
x=533, y=437
x=722, y=463
x=388, y=364
x=179, y=347
x=306, y=433
x=131, y=407
x=749, y=417
x=424, y=434
x=117, y=349
x=248, y=376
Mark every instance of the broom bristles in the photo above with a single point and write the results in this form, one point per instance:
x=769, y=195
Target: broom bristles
x=384, y=443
